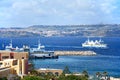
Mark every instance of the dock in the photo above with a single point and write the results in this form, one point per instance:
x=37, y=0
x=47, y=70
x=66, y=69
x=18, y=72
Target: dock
x=43, y=56
x=79, y=53
x=56, y=54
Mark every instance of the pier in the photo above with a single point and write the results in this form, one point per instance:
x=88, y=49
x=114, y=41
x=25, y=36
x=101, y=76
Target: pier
x=80, y=53
x=43, y=56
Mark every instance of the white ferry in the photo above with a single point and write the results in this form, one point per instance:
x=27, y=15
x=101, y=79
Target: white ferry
x=94, y=44
x=25, y=48
x=9, y=47
x=40, y=48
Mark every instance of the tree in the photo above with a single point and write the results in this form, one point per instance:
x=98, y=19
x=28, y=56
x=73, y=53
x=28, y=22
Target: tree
x=85, y=73
x=105, y=74
x=66, y=70
x=32, y=78
x=50, y=76
x=98, y=74
x=72, y=77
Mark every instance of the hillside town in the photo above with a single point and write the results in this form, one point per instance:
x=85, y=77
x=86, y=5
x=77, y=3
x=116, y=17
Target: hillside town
x=103, y=30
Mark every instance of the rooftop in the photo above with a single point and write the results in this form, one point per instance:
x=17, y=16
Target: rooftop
x=48, y=69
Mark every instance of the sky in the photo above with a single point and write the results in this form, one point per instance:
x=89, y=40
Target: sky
x=24, y=13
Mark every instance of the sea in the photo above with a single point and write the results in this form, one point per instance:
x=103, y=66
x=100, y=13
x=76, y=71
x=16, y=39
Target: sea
x=107, y=59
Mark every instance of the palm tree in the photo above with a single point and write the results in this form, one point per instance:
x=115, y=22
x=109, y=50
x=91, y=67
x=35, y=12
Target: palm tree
x=98, y=74
x=66, y=70
x=105, y=74
x=85, y=73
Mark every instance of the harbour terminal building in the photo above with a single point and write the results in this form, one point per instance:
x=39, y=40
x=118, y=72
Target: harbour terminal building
x=15, y=63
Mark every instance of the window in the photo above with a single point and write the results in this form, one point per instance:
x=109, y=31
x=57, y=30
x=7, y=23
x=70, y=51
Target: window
x=22, y=57
x=5, y=57
x=56, y=73
x=50, y=73
x=11, y=57
x=7, y=63
x=15, y=62
x=1, y=64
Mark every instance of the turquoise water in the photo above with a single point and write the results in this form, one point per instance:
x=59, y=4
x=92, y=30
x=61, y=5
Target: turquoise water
x=92, y=64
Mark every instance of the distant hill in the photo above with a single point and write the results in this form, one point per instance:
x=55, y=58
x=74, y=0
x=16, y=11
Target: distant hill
x=105, y=30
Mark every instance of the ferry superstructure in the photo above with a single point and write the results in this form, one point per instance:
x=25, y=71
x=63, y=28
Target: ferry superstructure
x=40, y=48
x=40, y=52
x=10, y=46
x=94, y=44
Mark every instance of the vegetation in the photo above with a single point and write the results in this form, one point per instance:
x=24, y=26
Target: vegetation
x=50, y=76
x=85, y=73
x=32, y=78
x=72, y=77
x=66, y=70
x=4, y=78
x=101, y=76
x=35, y=75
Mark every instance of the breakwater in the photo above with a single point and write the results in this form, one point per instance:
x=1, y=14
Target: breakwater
x=81, y=53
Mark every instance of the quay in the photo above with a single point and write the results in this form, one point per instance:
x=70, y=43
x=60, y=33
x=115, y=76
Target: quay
x=43, y=56
x=56, y=54
x=79, y=53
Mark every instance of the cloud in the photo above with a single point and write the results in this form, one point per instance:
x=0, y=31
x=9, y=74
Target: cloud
x=30, y=12
x=108, y=6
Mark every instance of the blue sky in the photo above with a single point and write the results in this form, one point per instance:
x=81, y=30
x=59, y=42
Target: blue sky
x=24, y=13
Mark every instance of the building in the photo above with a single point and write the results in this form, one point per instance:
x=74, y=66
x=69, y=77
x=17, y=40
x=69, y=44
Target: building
x=13, y=66
x=15, y=63
x=75, y=74
x=13, y=55
x=112, y=78
x=56, y=72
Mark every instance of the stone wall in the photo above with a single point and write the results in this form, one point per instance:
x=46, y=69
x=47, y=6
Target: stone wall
x=82, y=53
